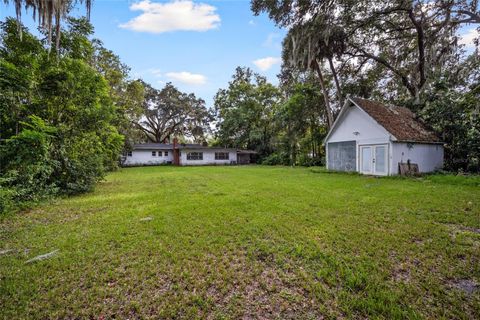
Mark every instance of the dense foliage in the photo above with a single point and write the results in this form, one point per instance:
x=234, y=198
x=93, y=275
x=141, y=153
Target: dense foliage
x=66, y=113
x=403, y=52
x=244, y=112
x=169, y=112
x=60, y=114
x=283, y=125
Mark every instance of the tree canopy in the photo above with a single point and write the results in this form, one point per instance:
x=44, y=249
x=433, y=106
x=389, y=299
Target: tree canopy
x=169, y=112
x=403, y=52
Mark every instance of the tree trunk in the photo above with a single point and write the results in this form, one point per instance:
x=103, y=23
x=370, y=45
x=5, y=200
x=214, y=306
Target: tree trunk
x=337, y=83
x=325, y=94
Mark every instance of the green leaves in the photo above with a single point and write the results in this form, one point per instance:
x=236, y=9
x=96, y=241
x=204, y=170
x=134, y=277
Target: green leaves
x=58, y=115
x=245, y=111
x=169, y=112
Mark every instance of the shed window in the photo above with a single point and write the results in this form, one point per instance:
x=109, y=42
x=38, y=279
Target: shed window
x=166, y=153
x=221, y=155
x=195, y=156
x=154, y=153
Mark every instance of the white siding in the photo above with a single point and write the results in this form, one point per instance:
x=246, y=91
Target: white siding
x=429, y=157
x=144, y=157
x=208, y=157
x=355, y=120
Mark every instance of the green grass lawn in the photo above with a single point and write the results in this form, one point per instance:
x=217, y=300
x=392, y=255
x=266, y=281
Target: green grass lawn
x=247, y=242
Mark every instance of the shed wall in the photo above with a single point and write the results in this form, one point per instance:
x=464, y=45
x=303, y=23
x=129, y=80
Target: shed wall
x=429, y=157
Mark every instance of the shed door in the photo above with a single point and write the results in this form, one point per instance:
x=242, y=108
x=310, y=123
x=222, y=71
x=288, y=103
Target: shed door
x=366, y=159
x=380, y=160
x=374, y=159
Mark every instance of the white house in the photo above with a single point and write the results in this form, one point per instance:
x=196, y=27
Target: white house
x=182, y=154
x=372, y=138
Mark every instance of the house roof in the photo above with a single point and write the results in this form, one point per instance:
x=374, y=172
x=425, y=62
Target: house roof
x=169, y=146
x=247, y=152
x=151, y=146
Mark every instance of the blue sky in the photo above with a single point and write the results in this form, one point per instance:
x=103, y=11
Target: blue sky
x=195, y=45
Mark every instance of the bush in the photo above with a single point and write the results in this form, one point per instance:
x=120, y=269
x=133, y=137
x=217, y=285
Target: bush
x=7, y=196
x=27, y=166
x=311, y=162
x=274, y=159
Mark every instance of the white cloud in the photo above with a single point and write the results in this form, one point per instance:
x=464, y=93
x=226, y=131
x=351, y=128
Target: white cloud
x=172, y=16
x=467, y=38
x=251, y=22
x=266, y=63
x=187, y=77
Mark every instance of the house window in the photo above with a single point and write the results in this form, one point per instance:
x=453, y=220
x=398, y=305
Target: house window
x=159, y=153
x=129, y=153
x=166, y=153
x=221, y=155
x=195, y=156
x=154, y=153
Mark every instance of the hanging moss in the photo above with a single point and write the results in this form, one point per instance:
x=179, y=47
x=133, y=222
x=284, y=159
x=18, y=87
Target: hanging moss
x=49, y=13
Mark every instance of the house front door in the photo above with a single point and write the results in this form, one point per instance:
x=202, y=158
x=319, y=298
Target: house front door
x=374, y=159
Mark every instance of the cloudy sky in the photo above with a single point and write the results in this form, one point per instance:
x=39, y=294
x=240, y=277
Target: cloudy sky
x=194, y=44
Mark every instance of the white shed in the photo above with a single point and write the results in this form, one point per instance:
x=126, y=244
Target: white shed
x=372, y=138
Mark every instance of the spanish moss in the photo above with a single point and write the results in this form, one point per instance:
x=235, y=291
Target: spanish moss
x=48, y=13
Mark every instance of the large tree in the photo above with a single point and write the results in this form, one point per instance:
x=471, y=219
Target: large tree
x=244, y=112
x=411, y=40
x=61, y=112
x=169, y=112
x=49, y=14
x=300, y=124
x=308, y=46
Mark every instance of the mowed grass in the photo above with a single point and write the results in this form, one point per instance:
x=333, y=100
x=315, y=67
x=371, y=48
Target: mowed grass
x=247, y=242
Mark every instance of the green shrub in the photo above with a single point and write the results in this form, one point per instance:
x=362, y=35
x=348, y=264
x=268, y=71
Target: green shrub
x=7, y=196
x=27, y=166
x=274, y=159
x=310, y=162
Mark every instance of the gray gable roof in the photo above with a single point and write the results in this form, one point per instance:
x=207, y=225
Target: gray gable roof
x=169, y=146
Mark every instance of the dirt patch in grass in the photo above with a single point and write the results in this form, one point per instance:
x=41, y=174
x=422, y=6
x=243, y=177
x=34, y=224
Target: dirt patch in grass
x=467, y=286
x=262, y=290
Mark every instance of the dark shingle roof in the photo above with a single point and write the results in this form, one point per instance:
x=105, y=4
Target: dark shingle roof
x=399, y=121
x=169, y=146
x=150, y=146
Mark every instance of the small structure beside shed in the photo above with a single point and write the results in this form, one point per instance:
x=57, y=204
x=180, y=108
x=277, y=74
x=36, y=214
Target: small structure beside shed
x=372, y=138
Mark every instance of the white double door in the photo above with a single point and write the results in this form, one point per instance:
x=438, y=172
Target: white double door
x=374, y=159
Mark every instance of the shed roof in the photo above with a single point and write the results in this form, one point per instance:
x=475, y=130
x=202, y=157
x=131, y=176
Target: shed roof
x=398, y=121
